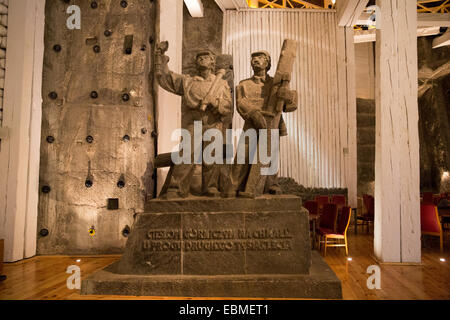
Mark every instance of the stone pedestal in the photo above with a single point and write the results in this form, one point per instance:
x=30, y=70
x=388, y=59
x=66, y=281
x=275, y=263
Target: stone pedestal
x=219, y=248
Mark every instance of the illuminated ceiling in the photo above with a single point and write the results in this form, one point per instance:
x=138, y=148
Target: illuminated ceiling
x=442, y=6
x=290, y=4
x=432, y=6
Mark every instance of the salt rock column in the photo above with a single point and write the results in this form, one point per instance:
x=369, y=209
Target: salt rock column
x=397, y=174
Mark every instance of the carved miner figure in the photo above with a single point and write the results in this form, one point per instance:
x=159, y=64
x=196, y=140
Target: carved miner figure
x=206, y=98
x=260, y=100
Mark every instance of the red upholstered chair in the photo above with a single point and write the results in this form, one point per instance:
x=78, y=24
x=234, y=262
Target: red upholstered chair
x=430, y=224
x=333, y=239
x=322, y=200
x=368, y=214
x=427, y=198
x=328, y=216
x=327, y=220
x=340, y=200
x=312, y=207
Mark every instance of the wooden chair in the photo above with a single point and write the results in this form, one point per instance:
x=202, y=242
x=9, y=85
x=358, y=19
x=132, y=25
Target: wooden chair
x=322, y=200
x=340, y=234
x=368, y=215
x=430, y=224
x=327, y=220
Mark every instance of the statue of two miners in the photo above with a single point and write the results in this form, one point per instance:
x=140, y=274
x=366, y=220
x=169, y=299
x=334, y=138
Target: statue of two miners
x=207, y=97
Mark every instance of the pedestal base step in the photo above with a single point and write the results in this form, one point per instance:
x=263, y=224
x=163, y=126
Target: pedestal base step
x=321, y=283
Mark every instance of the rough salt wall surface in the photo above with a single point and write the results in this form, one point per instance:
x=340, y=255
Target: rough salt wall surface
x=201, y=33
x=366, y=145
x=434, y=126
x=290, y=187
x=434, y=118
x=71, y=208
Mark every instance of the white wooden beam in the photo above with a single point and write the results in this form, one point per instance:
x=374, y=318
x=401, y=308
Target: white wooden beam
x=442, y=41
x=428, y=31
x=220, y=4
x=433, y=19
x=362, y=36
x=19, y=153
x=397, y=166
x=349, y=11
x=232, y=4
x=423, y=19
x=195, y=8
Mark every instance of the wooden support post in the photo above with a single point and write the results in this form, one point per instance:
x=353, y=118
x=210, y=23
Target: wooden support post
x=19, y=153
x=397, y=187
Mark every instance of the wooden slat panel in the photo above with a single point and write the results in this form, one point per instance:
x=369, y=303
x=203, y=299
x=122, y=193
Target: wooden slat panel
x=312, y=153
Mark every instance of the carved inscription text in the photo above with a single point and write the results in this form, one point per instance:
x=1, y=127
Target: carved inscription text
x=218, y=240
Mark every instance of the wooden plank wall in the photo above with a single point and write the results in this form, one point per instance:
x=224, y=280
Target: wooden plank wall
x=318, y=150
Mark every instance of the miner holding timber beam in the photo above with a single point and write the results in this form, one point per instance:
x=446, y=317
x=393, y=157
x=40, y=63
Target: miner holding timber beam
x=260, y=100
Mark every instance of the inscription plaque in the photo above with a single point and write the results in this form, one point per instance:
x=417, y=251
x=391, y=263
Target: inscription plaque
x=217, y=240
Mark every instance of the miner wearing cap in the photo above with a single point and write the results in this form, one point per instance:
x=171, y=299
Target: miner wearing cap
x=252, y=96
x=194, y=90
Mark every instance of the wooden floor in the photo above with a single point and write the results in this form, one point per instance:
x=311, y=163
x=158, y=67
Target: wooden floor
x=44, y=277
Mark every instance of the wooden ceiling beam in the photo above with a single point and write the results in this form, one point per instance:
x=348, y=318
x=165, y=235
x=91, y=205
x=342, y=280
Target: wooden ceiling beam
x=433, y=19
x=349, y=11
